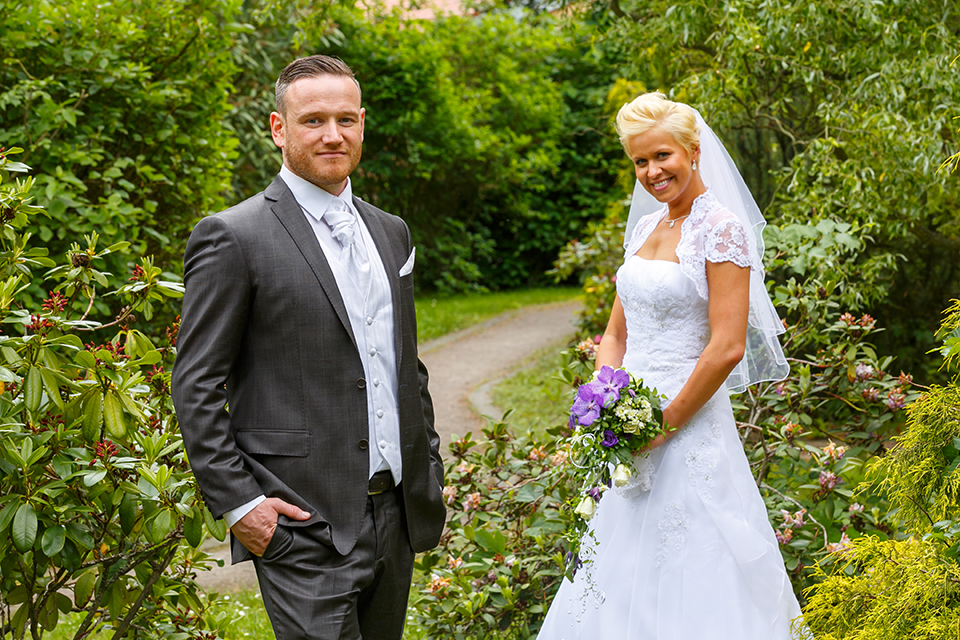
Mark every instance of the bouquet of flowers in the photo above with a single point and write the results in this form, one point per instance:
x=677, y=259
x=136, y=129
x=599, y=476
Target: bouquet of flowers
x=613, y=418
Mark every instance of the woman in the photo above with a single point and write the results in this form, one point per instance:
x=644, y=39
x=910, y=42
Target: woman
x=685, y=552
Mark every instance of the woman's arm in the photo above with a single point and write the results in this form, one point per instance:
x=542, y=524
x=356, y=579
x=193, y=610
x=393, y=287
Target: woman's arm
x=614, y=342
x=729, y=306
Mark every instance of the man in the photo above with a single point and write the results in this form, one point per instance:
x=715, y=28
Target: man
x=302, y=403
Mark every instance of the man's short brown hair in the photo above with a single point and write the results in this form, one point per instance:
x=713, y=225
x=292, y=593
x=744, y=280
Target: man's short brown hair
x=310, y=67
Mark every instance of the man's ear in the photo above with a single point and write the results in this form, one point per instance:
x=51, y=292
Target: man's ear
x=276, y=129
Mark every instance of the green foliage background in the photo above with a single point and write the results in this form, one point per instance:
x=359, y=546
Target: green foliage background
x=836, y=111
x=486, y=133
x=119, y=107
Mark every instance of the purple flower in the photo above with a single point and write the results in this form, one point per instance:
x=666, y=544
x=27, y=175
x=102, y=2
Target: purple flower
x=595, y=493
x=610, y=439
x=587, y=406
x=828, y=480
x=609, y=382
x=896, y=400
x=573, y=561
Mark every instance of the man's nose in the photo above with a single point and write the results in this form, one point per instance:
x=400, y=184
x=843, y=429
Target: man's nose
x=330, y=133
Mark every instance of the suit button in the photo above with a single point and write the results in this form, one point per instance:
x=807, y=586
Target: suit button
x=363, y=444
x=361, y=383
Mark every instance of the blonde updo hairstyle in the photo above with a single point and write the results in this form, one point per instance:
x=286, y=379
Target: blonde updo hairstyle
x=653, y=110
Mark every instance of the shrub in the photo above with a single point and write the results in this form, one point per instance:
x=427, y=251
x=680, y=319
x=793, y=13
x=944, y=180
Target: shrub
x=499, y=563
x=908, y=587
x=120, y=109
x=99, y=514
x=483, y=132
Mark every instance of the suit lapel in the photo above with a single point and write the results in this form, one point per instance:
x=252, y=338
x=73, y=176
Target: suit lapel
x=391, y=265
x=292, y=217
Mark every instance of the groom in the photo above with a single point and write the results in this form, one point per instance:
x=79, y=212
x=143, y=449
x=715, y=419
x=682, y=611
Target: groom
x=303, y=406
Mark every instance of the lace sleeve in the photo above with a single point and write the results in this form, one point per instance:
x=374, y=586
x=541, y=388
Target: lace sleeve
x=726, y=241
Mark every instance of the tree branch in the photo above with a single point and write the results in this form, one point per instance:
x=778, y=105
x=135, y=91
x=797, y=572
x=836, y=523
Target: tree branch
x=158, y=570
x=618, y=11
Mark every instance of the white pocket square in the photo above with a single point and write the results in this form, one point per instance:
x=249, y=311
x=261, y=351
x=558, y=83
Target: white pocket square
x=407, y=267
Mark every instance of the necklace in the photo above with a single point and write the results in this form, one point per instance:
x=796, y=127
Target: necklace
x=674, y=221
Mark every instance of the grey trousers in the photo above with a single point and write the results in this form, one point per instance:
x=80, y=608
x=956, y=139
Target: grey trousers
x=312, y=592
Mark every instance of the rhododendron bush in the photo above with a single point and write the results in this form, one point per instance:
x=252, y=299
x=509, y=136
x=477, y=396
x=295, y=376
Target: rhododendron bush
x=99, y=514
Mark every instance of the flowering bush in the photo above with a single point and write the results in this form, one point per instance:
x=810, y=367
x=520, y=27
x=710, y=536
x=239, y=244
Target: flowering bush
x=99, y=514
x=908, y=587
x=810, y=437
x=596, y=261
x=501, y=559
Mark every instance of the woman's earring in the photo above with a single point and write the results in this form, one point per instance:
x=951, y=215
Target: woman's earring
x=694, y=165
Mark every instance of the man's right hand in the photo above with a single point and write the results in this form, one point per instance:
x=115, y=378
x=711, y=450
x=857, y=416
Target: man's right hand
x=255, y=530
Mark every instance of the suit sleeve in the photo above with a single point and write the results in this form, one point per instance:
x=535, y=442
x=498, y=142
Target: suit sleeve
x=215, y=308
x=436, y=461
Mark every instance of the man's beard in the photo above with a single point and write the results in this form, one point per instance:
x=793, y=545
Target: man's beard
x=302, y=163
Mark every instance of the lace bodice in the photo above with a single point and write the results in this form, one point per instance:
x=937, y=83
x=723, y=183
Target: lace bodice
x=710, y=234
x=667, y=322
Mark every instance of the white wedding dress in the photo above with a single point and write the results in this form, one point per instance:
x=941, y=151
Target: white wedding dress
x=686, y=551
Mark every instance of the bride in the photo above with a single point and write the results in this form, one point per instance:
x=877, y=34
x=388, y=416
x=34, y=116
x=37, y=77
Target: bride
x=685, y=552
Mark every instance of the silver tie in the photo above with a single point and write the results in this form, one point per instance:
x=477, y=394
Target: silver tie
x=343, y=225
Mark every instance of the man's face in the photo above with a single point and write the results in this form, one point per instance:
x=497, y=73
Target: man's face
x=321, y=133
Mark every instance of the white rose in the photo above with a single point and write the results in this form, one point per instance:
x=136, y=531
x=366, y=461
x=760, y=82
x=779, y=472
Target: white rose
x=586, y=508
x=621, y=475
x=630, y=425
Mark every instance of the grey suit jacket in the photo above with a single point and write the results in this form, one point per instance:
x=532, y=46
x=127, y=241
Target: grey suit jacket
x=268, y=385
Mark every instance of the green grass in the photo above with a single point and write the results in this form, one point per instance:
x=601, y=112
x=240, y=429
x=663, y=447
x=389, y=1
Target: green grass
x=251, y=619
x=539, y=401
x=437, y=316
x=243, y=608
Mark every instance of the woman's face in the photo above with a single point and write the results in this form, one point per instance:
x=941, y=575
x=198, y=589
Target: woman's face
x=663, y=167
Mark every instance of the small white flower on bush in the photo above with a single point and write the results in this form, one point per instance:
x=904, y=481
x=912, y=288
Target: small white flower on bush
x=841, y=547
x=449, y=494
x=472, y=502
